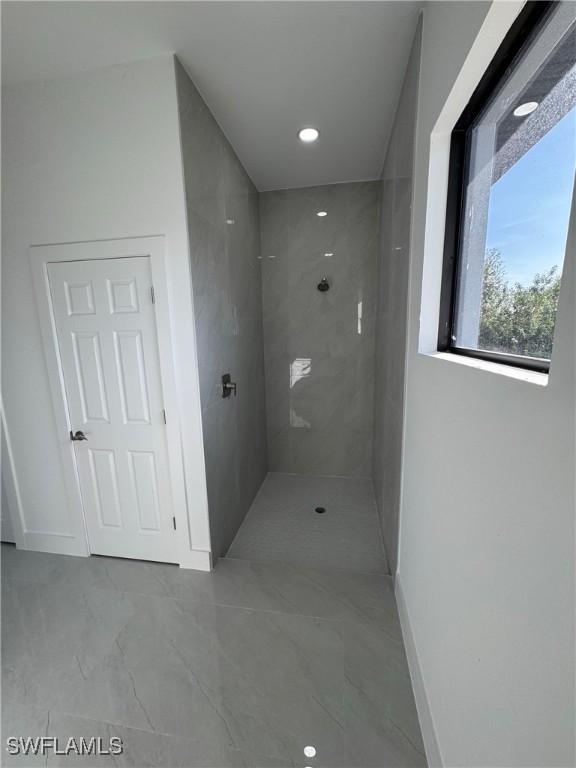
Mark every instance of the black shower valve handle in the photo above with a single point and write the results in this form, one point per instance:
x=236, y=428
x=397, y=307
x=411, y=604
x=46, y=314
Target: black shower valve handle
x=228, y=386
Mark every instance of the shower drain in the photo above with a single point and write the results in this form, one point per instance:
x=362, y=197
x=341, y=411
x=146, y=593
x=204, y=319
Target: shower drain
x=320, y=510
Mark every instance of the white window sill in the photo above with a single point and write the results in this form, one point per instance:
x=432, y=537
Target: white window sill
x=520, y=374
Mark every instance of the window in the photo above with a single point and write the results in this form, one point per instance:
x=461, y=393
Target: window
x=512, y=163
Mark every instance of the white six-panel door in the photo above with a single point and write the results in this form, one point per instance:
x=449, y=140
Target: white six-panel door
x=106, y=329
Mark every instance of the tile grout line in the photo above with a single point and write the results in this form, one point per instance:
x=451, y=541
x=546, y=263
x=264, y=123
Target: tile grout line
x=336, y=571
x=227, y=606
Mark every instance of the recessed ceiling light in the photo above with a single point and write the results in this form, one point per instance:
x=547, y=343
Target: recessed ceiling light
x=525, y=109
x=322, y=213
x=308, y=135
x=328, y=255
x=310, y=751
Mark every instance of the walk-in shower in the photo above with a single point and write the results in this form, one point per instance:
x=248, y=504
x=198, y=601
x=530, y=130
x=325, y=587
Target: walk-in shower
x=319, y=277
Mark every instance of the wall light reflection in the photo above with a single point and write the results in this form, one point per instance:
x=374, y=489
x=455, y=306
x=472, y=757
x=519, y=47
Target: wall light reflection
x=300, y=368
x=297, y=421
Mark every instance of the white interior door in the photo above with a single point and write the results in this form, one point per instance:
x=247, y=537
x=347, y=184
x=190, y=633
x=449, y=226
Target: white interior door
x=106, y=329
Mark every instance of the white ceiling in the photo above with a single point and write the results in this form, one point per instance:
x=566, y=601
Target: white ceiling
x=265, y=69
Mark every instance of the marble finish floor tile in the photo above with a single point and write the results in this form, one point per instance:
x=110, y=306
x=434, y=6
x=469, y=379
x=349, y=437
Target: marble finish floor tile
x=244, y=666
x=267, y=586
x=282, y=524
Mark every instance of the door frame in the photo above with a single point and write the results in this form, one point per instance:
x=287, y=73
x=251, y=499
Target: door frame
x=153, y=247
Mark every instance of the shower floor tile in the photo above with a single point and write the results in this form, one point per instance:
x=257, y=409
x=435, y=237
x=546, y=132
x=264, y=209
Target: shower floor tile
x=283, y=526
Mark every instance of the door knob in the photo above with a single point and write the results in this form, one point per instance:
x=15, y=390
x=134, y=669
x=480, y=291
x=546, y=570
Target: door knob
x=78, y=435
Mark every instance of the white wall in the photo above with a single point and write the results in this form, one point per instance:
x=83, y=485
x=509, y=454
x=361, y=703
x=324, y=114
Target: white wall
x=486, y=573
x=91, y=157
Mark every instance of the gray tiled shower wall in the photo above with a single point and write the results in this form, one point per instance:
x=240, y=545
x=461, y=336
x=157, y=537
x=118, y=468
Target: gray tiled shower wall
x=222, y=209
x=392, y=319
x=319, y=346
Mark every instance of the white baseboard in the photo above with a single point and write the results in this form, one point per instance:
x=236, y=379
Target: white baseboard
x=197, y=560
x=433, y=754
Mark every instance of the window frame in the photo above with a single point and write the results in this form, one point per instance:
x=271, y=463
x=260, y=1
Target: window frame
x=518, y=38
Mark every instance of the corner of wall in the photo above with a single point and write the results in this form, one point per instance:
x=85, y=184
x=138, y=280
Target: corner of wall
x=433, y=754
x=191, y=557
x=13, y=512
